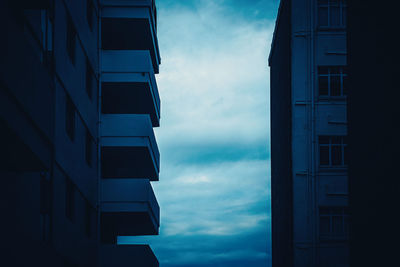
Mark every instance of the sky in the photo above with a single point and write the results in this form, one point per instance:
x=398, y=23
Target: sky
x=214, y=188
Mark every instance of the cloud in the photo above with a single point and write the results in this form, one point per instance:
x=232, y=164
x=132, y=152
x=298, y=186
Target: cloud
x=214, y=87
x=214, y=79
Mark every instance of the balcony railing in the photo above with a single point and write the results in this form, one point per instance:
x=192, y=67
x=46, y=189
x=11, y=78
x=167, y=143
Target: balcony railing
x=128, y=147
x=123, y=21
x=129, y=85
x=128, y=208
x=127, y=255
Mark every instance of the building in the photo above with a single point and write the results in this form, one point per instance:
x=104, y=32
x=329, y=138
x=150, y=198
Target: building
x=373, y=116
x=309, y=155
x=78, y=103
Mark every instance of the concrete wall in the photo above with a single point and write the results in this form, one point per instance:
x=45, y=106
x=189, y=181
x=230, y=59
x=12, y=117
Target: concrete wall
x=281, y=159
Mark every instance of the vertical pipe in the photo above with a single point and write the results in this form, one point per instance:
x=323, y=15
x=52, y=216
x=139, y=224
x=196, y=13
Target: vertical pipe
x=99, y=133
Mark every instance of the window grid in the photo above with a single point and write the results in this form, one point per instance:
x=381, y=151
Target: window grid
x=328, y=75
x=333, y=223
x=333, y=151
x=335, y=13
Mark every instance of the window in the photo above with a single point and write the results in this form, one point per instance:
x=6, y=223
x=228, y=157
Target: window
x=69, y=199
x=47, y=32
x=331, y=13
x=71, y=40
x=333, y=151
x=89, y=79
x=38, y=27
x=88, y=149
x=88, y=219
x=332, y=81
x=90, y=13
x=45, y=190
x=333, y=223
x=70, y=118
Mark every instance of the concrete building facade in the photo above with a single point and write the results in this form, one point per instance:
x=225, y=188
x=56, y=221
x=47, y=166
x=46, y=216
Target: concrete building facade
x=373, y=113
x=310, y=217
x=78, y=104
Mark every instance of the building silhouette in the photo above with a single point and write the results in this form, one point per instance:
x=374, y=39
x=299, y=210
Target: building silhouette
x=78, y=103
x=374, y=185
x=309, y=154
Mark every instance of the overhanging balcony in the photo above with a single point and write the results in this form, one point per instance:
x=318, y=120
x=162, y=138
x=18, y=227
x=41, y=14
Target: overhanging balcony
x=129, y=85
x=128, y=147
x=127, y=255
x=128, y=208
x=130, y=25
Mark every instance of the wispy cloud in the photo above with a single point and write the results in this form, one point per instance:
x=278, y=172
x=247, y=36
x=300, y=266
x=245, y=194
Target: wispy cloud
x=213, y=139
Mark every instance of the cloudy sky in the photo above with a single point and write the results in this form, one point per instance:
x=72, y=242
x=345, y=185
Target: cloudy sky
x=214, y=187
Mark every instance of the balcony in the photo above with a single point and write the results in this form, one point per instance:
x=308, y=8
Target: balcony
x=128, y=147
x=127, y=255
x=123, y=21
x=129, y=85
x=128, y=208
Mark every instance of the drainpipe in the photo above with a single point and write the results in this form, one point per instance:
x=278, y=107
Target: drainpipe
x=98, y=204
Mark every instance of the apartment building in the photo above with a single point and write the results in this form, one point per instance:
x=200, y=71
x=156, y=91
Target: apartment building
x=309, y=154
x=78, y=103
x=373, y=115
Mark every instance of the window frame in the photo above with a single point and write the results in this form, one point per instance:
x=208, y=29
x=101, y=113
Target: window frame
x=342, y=75
x=343, y=146
x=342, y=5
x=332, y=235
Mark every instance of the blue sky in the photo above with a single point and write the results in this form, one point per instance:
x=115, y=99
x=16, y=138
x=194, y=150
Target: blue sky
x=214, y=188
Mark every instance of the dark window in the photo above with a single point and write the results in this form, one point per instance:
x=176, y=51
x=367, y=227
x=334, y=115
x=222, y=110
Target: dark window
x=331, y=13
x=44, y=196
x=324, y=155
x=345, y=152
x=38, y=27
x=69, y=199
x=90, y=13
x=47, y=23
x=336, y=153
x=89, y=79
x=88, y=149
x=88, y=219
x=323, y=85
x=70, y=118
x=333, y=151
x=333, y=223
x=332, y=81
x=71, y=40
